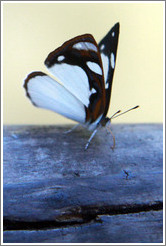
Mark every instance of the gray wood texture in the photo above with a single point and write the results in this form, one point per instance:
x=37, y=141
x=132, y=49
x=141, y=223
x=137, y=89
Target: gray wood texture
x=56, y=192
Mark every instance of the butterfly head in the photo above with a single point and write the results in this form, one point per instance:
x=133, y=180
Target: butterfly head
x=104, y=121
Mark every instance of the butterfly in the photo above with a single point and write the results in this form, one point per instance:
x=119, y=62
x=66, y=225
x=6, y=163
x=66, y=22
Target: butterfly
x=81, y=89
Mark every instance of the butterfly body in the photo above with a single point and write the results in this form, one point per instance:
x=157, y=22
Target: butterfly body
x=82, y=86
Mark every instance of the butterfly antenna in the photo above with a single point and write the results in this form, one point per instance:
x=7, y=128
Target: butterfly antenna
x=115, y=115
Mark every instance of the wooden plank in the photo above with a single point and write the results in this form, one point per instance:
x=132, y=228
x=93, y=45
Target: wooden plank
x=50, y=181
x=39, y=152
x=81, y=199
x=144, y=227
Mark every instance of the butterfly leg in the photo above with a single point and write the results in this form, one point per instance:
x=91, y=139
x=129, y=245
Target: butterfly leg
x=112, y=147
x=73, y=128
x=89, y=140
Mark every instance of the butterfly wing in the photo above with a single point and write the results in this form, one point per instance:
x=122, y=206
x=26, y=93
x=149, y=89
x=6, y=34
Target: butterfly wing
x=108, y=50
x=83, y=95
x=77, y=65
x=45, y=92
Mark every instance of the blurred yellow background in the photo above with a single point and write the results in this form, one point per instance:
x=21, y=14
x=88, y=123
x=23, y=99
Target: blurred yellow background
x=32, y=30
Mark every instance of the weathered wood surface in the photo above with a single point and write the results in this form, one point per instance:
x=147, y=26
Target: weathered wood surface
x=54, y=191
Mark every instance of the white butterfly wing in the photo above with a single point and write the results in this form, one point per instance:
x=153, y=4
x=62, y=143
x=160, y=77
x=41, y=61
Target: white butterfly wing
x=75, y=64
x=74, y=79
x=46, y=93
x=82, y=94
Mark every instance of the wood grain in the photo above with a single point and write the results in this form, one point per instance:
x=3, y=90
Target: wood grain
x=53, y=189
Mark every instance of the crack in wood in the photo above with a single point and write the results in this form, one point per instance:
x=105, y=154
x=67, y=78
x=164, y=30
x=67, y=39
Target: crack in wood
x=82, y=215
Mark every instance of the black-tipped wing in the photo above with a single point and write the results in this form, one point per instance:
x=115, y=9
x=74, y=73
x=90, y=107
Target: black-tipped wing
x=108, y=50
x=84, y=73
